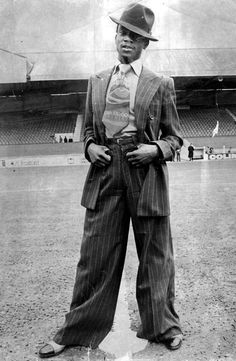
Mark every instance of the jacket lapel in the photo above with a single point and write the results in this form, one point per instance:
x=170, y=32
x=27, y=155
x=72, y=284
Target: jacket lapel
x=147, y=87
x=99, y=98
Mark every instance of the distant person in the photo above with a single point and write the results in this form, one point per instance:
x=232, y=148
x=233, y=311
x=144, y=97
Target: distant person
x=53, y=137
x=178, y=157
x=65, y=140
x=190, y=152
x=60, y=140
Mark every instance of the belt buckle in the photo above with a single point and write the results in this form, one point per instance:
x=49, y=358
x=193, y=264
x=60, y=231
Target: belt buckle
x=125, y=140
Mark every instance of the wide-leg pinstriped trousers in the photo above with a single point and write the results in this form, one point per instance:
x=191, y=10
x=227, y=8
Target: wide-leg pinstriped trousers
x=102, y=258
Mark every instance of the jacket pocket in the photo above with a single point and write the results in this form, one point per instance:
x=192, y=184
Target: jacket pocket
x=91, y=187
x=154, y=196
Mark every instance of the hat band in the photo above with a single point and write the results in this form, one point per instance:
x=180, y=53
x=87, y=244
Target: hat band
x=134, y=29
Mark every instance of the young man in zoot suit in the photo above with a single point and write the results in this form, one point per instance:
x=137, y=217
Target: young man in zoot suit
x=131, y=130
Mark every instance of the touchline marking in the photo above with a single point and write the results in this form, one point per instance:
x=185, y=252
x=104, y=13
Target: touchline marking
x=37, y=190
x=200, y=183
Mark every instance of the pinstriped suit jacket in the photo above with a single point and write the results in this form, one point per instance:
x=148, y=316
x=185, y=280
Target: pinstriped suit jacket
x=157, y=121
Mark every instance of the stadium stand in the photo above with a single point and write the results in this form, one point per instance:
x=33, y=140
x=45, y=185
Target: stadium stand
x=201, y=122
x=18, y=129
x=232, y=111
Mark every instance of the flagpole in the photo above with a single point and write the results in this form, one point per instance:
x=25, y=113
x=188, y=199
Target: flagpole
x=218, y=88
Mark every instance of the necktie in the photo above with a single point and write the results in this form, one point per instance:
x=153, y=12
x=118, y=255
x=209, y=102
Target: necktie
x=116, y=115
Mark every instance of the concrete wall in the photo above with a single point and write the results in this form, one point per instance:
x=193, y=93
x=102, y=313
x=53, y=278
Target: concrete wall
x=40, y=149
x=215, y=142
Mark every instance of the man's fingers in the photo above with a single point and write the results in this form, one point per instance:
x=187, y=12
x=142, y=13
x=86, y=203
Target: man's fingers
x=99, y=163
x=139, y=162
x=131, y=154
x=107, y=157
x=102, y=160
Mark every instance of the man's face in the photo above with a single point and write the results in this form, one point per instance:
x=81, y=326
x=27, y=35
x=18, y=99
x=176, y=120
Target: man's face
x=129, y=45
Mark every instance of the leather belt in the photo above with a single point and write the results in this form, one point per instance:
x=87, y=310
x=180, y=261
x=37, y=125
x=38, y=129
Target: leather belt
x=123, y=140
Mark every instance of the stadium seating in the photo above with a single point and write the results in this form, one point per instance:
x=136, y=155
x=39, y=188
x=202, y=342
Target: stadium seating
x=201, y=122
x=40, y=128
x=232, y=109
x=34, y=129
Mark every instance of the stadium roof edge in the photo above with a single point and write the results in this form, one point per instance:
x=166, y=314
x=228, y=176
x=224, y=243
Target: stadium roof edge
x=172, y=62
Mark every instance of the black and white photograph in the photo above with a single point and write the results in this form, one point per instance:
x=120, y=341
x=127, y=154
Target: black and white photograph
x=118, y=180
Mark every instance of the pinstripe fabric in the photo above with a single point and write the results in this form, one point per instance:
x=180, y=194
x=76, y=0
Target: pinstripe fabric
x=154, y=201
x=102, y=258
x=157, y=120
x=113, y=195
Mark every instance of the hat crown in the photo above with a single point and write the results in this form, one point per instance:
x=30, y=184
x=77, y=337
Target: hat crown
x=139, y=16
x=138, y=19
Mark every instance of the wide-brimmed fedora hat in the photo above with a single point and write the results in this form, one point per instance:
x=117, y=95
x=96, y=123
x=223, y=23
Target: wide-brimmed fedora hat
x=137, y=18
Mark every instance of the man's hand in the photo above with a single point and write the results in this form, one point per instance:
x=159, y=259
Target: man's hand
x=143, y=155
x=98, y=155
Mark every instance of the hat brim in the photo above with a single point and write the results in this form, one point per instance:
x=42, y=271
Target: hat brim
x=134, y=29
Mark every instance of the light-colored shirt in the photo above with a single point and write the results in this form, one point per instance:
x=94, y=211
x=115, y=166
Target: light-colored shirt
x=131, y=78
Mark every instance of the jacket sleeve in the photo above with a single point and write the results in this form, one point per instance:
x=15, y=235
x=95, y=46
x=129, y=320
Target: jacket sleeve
x=170, y=138
x=89, y=136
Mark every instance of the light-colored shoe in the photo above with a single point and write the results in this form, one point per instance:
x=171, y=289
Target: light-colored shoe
x=174, y=343
x=51, y=349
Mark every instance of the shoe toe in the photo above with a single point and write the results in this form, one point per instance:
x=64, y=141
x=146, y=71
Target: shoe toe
x=174, y=343
x=46, y=351
x=50, y=349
